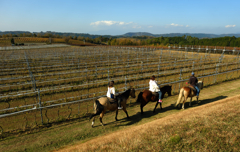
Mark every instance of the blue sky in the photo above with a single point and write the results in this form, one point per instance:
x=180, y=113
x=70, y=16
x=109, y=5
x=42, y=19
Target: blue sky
x=122, y=16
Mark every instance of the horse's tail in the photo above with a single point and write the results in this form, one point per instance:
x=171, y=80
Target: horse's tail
x=98, y=109
x=180, y=96
x=139, y=97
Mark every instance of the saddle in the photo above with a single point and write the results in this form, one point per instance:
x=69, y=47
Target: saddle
x=115, y=100
x=155, y=94
x=192, y=88
x=111, y=100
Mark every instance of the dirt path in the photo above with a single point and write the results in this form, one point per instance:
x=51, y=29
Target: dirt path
x=212, y=98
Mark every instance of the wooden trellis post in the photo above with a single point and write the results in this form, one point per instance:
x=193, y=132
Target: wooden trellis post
x=40, y=105
x=180, y=78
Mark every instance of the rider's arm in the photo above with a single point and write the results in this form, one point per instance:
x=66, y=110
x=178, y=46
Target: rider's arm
x=113, y=91
x=189, y=81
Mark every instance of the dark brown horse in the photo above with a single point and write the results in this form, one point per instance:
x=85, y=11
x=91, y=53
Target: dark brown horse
x=103, y=104
x=146, y=96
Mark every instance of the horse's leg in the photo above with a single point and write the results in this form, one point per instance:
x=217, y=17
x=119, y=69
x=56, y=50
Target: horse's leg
x=197, y=99
x=116, y=115
x=93, y=121
x=124, y=109
x=142, y=105
x=185, y=99
x=101, y=116
x=160, y=106
x=155, y=107
x=181, y=94
x=190, y=102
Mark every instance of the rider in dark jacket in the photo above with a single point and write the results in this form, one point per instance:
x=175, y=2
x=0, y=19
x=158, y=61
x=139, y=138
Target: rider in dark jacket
x=193, y=81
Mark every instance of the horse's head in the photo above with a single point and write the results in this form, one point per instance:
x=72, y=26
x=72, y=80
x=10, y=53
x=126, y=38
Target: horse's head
x=132, y=92
x=200, y=84
x=168, y=89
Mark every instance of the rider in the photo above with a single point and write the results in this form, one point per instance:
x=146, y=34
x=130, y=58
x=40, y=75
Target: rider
x=111, y=94
x=193, y=81
x=153, y=87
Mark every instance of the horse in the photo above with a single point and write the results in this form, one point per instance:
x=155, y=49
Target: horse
x=145, y=96
x=188, y=92
x=103, y=104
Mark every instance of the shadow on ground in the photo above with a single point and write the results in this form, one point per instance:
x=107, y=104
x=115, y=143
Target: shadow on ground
x=201, y=102
x=147, y=114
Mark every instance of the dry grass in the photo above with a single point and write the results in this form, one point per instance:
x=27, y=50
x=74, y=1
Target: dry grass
x=211, y=127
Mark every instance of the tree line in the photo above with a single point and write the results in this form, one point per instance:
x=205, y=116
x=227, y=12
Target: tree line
x=138, y=40
x=180, y=40
x=97, y=40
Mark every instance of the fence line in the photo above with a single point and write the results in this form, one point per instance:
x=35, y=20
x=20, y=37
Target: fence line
x=102, y=81
x=42, y=105
x=87, y=99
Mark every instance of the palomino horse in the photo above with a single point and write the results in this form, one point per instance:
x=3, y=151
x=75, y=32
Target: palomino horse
x=188, y=92
x=146, y=96
x=103, y=104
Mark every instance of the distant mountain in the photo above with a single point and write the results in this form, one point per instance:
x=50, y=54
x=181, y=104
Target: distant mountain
x=56, y=33
x=129, y=34
x=199, y=35
x=13, y=32
x=236, y=35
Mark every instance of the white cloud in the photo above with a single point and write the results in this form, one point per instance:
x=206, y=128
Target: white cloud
x=109, y=23
x=175, y=24
x=187, y=25
x=227, y=26
x=150, y=26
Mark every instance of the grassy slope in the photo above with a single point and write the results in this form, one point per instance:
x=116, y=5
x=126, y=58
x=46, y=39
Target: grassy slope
x=79, y=131
x=211, y=127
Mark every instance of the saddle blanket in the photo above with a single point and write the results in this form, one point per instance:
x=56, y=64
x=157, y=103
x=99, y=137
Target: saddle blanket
x=155, y=93
x=192, y=88
x=111, y=100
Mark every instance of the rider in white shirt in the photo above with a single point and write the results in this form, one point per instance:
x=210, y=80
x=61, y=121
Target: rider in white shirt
x=153, y=87
x=111, y=94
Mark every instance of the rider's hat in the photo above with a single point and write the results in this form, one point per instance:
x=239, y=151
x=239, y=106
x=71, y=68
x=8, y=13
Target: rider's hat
x=192, y=73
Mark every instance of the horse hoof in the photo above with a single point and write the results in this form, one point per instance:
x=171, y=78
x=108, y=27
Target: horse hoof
x=128, y=117
x=116, y=119
x=92, y=126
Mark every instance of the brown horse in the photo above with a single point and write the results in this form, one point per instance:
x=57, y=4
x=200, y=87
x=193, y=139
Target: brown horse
x=146, y=96
x=103, y=104
x=188, y=92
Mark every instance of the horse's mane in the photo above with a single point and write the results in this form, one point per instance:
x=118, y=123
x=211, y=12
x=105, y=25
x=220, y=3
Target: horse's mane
x=125, y=92
x=166, y=86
